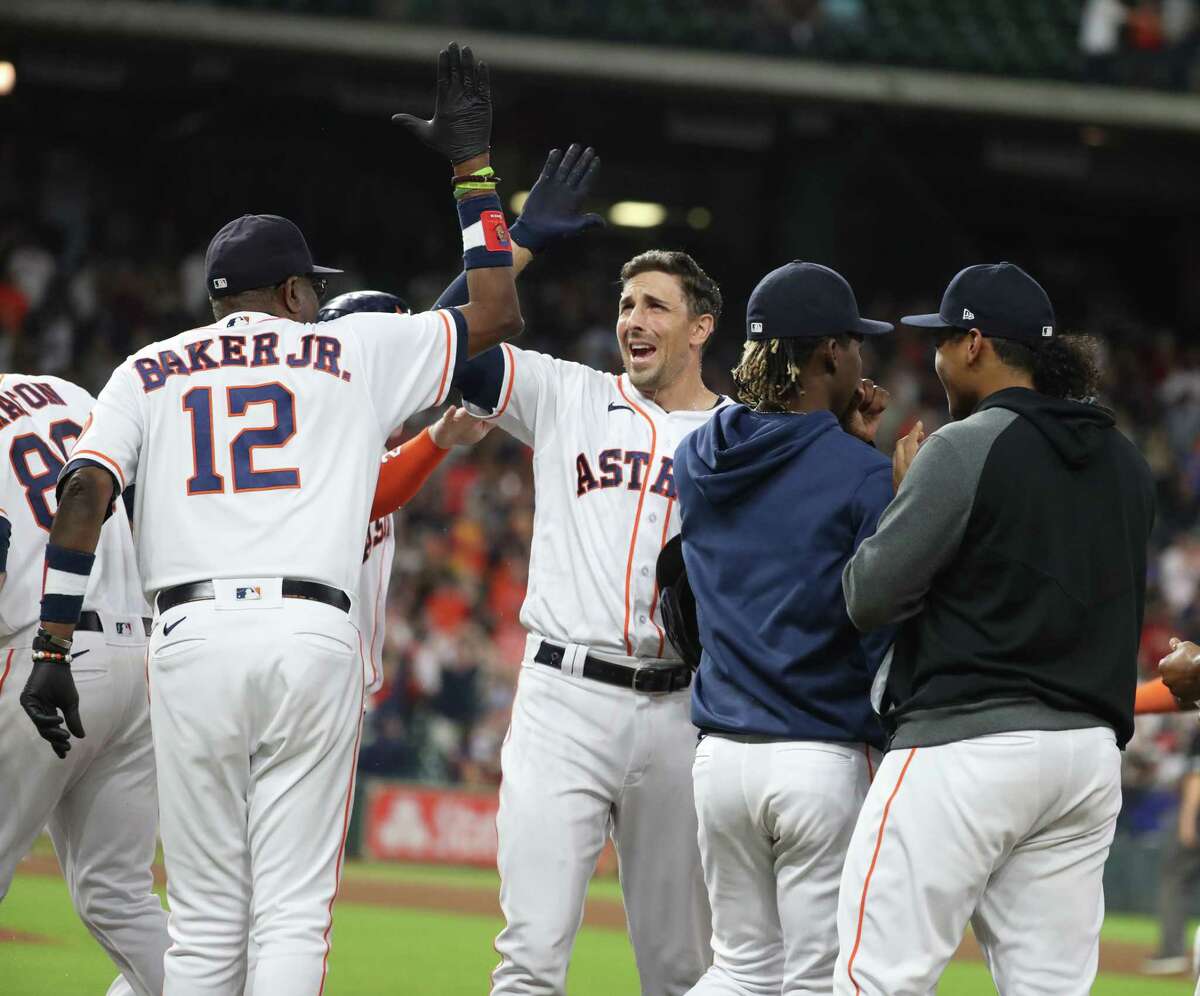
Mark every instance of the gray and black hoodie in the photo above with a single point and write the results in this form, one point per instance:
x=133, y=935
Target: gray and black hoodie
x=1014, y=555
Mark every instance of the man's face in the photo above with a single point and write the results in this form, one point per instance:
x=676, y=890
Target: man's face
x=655, y=330
x=953, y=370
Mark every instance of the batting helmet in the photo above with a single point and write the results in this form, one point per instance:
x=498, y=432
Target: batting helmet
x=363, y=300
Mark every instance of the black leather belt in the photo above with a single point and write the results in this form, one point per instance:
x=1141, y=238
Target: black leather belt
x=650, y=678
x=89, y=622
x=199, y=591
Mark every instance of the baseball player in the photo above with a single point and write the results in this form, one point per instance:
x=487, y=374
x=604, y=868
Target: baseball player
x=98, y=800
x=600, y=740
x=403, y=472
x=773, y=501
x=1014, y=558
x=255, y=445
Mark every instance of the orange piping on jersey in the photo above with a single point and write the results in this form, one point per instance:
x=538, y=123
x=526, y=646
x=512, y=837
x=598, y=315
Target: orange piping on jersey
x=375, y=622
x=449, y=349
x=7, y=667
x=637, y=518
x=511, y=370
x=104, y=456
x=337, y=878
x=862, y=903
x=870, y=763
x=662, y=637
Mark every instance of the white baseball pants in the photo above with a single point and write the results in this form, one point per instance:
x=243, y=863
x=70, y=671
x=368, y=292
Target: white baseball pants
x=775, y=822
x=98, y=803
x=1008, y=831
x=582, y=759
x=256, y=709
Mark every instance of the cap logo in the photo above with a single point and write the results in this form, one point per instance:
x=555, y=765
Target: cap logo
x=1047, y=331
x=756, y=328
x=220, y=283
x=968, y=315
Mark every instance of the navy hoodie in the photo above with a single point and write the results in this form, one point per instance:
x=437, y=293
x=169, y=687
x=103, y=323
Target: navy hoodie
x=773, y=506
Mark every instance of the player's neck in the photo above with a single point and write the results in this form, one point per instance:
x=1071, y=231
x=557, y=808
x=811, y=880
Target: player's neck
x=688, y=393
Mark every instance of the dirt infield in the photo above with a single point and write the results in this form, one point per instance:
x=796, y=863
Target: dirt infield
x=608, y=914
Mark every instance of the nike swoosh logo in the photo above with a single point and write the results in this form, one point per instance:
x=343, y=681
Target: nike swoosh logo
x=79, y=654
x=613, y=406
x=167, y=629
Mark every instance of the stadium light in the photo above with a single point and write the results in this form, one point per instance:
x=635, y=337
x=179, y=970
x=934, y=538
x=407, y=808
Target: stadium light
x=699, y=218
x=637, y=214
x=8, y=78
x=517, y=201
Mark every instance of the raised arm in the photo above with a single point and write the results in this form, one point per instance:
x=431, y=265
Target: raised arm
x=552, y=211
x=460, y=129
x=406, y=468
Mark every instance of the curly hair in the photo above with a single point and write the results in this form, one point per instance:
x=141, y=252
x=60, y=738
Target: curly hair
x=1067, y=366
x=771, y=370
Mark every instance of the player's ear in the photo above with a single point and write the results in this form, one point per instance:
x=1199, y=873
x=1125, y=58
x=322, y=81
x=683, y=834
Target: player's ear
x=702, y=328
x=290, y=289
x=829, y=353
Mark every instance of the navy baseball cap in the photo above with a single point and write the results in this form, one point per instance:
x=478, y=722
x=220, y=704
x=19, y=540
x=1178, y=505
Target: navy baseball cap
x=256, y=250
x=363, y=300
x=999, y=299
x=805, y=301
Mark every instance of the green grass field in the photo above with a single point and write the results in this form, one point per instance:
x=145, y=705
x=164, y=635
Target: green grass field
x=384, y=951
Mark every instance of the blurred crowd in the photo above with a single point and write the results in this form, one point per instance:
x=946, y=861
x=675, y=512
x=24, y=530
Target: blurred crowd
x=80, y=290
x=1131, y=42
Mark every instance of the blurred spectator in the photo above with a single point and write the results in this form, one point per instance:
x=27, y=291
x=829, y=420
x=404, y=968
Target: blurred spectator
x=1100, y=38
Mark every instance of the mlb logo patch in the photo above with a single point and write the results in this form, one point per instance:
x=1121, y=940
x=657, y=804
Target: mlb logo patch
x=250, y=593
x=220, y=283
x=756, y=328
x=124, y=629
x=1047, y=331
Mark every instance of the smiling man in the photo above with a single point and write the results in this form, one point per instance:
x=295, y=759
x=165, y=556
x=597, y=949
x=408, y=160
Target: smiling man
x=601, y=740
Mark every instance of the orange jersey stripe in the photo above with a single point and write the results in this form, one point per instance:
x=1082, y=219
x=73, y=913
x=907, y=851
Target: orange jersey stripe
x=106, y=458
x=7, y=668
x=637, y=518
x=337, y=880
x=512, y=378
x=862, y=903
x=449, y=350
x=662, y=637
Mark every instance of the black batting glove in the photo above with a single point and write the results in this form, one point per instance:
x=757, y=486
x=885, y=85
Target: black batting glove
x=50, y=688
x=461, y=127
x=554, y=208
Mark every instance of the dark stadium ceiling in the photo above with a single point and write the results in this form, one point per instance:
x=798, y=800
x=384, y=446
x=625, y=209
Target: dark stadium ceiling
x=765, y=78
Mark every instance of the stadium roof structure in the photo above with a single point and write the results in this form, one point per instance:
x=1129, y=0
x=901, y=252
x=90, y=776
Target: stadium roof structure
x=774, y=77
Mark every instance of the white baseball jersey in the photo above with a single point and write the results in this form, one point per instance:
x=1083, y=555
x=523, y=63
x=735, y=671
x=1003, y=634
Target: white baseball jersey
x=371, y=610
x=40, y=419
x=603, y=454
x=255, y=440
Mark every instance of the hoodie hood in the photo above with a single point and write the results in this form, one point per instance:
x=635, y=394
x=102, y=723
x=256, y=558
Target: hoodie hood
x=738, y=448
x=1074, y=429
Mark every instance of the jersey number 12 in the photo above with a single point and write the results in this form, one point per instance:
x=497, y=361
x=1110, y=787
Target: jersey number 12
x=198, y=403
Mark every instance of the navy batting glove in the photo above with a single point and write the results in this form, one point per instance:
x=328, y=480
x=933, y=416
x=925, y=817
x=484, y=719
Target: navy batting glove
x=553, y=209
